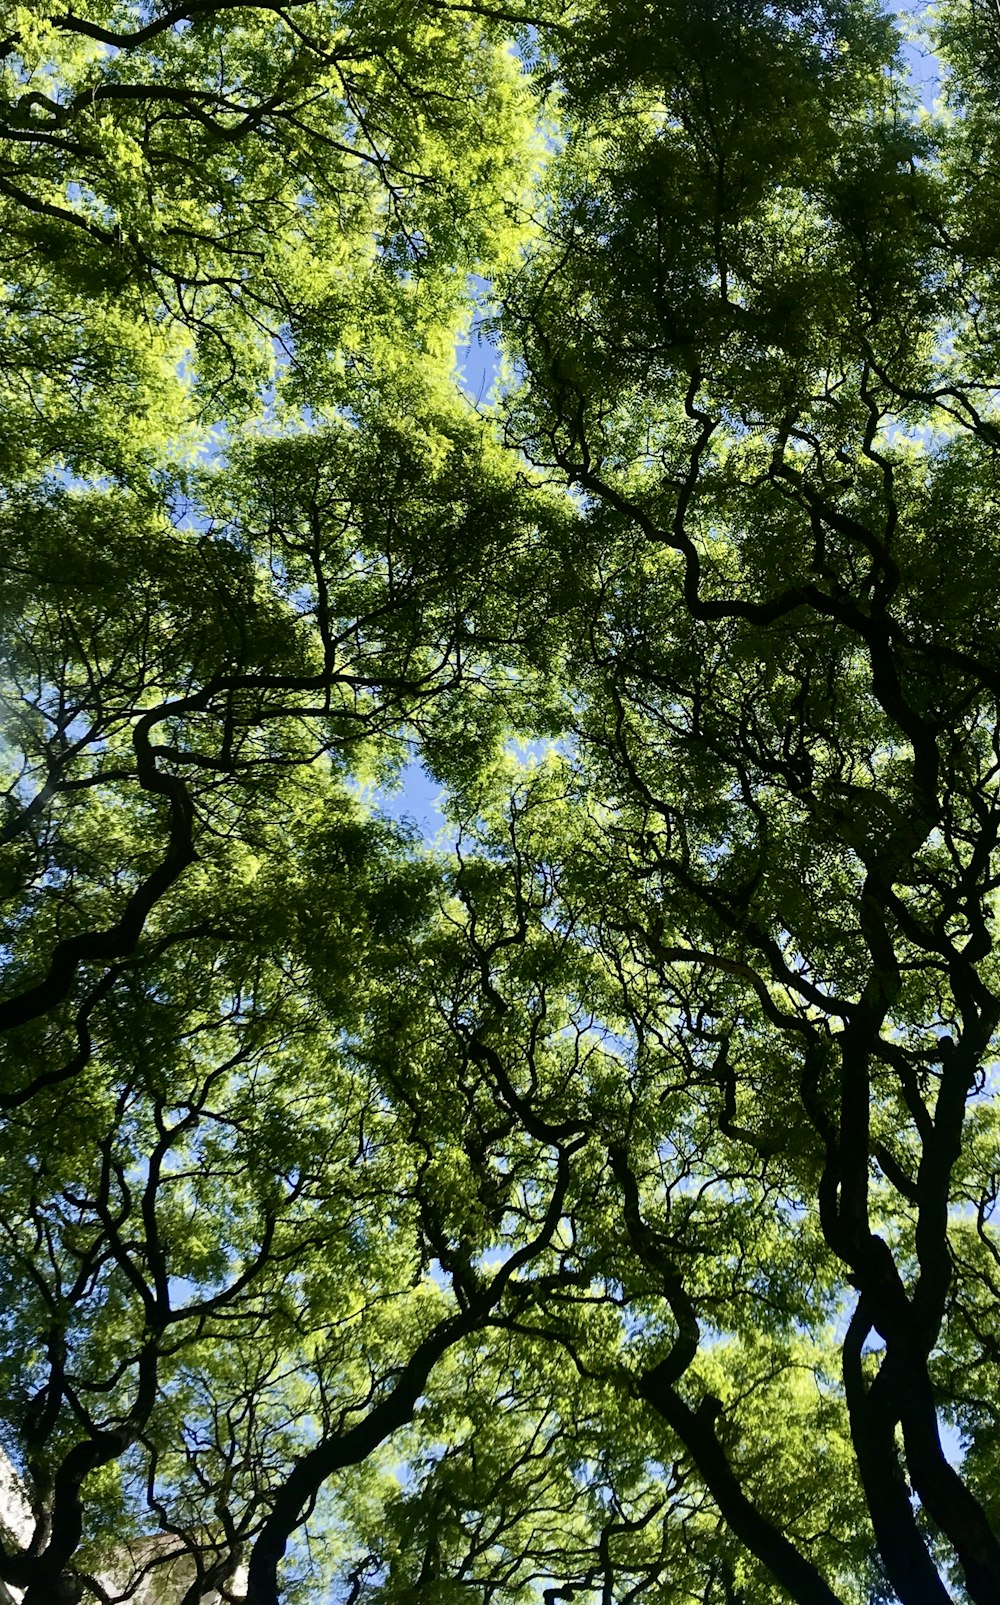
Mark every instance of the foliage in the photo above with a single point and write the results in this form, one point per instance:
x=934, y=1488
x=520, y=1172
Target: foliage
x=597, y=1204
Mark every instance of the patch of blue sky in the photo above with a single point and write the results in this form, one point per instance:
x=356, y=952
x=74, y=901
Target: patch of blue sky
x=924, y=70
x=478, y=363
x=420, y=801
x=477, y=359
x=530, y=751
x=415, y=800
x=490, y=1261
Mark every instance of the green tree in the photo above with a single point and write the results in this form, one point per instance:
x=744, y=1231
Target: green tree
x=758, y=346
x=249, y=524
x=601, y=1206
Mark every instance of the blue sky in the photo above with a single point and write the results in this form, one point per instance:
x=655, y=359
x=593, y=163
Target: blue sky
x=477, y=364
x=923, y=66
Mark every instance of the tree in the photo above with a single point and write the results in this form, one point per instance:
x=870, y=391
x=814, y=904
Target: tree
x=757, y=349
x=601, y=1205
x=216, y=1242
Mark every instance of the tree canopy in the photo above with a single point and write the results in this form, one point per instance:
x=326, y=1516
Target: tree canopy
x=597, y=1203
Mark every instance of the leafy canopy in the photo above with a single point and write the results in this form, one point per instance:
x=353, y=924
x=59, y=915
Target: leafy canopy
x=598, y=1203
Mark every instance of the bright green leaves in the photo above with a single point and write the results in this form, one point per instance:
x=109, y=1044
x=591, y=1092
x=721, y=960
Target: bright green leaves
x=269, y=219
x=497, y=1219
x=248, y=177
